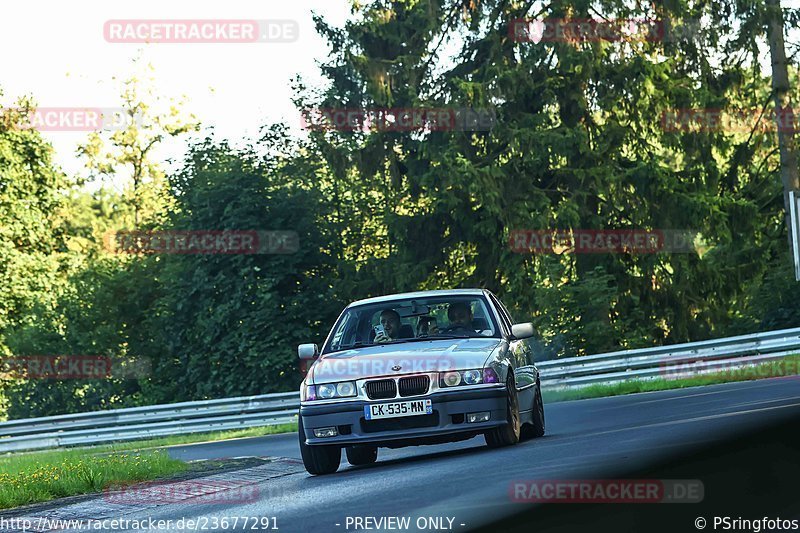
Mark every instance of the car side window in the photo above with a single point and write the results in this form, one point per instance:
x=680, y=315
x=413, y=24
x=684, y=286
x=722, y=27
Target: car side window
x=528, y=352
x=502, y=305
x=505, y=310
x=504, y=318
x=340, y=332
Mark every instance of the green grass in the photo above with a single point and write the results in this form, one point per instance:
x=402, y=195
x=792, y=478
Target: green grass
x=38, y=477
x=788, y=366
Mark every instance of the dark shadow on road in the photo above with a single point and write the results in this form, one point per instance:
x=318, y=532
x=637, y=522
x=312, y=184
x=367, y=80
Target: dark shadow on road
x=750, y=476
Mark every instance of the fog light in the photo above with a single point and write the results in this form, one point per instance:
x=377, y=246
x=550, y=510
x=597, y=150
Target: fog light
x=477, y=417
x=326, y=432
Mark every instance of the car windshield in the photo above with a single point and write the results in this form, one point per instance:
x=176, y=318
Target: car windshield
x=413, y=320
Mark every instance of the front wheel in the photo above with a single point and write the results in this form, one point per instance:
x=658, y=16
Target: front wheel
x=536, y=428
x=508, y=433
x=318, y=460
x=361, y=455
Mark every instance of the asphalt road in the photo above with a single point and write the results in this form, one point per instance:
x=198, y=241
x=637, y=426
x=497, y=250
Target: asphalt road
x=465, y=484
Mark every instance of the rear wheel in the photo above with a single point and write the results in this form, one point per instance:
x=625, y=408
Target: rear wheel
x=508, y=433
x=318, y=460
x=361, y=455
x=536, y=428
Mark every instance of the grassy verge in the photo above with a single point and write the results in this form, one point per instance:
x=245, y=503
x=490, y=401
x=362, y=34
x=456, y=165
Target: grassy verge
x=34, y=477
x=788, y=366
x=43, y=476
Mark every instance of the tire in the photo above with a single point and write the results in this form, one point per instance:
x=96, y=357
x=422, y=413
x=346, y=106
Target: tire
x=536, y=429
x=508, y=434
x=361, y=455
x=318, y=460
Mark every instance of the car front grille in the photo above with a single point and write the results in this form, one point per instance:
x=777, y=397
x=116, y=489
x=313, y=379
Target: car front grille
x=381, y=389
x=414, y=385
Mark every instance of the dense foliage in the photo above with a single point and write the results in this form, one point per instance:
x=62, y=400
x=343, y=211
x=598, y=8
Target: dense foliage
x=578, y=143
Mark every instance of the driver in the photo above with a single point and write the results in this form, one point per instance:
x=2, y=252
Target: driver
x=460, y=315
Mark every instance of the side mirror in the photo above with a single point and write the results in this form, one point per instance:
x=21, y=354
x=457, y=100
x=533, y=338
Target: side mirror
x=523, y=330
x=307, y=351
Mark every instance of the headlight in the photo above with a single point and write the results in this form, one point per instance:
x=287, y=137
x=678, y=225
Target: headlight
x=467, y=377
x=328, y=391
x=346, y=388
x=451, y=379
x=472, y=377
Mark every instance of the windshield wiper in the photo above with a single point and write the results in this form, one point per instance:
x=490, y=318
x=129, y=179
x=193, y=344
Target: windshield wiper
x=398, y=341
x=447, y=336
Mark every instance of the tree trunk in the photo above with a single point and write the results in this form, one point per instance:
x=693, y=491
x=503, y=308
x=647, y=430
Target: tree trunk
x=783, y=105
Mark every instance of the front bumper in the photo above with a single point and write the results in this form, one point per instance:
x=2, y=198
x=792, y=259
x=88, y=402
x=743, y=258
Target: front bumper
x=449, y=418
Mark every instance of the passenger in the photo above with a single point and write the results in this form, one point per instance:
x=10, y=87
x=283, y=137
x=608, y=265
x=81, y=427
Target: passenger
x=390, y=320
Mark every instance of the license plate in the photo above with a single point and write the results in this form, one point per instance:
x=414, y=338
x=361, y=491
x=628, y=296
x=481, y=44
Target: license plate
x=396, y=409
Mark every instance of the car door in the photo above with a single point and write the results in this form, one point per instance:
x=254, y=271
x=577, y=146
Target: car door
x=520, y=350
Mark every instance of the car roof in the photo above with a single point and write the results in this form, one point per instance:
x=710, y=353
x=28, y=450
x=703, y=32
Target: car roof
x=420, y=294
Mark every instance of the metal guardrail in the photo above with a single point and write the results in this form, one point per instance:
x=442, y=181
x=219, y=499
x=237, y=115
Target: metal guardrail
x=672, y=361
x=679, y=360
x=149, y=421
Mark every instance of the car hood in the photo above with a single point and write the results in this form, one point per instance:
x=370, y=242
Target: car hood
x=411, y=357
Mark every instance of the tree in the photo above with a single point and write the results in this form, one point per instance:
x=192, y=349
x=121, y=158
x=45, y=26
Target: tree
x=127, y=153
x=226, y=324
x=30, y=237
x=578, y=144
x=32, y=248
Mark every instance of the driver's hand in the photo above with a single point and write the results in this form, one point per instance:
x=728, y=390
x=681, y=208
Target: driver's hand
x=381, y=337
x=432, y=330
